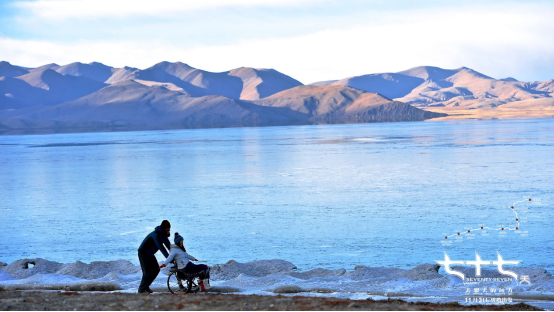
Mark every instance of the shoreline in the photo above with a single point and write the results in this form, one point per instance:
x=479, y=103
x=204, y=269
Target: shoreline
x=453, y=115
x=70, y=300
x=281, y=278
x=500, y=113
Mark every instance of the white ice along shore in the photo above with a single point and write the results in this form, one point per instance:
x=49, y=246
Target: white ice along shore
x=424, y=282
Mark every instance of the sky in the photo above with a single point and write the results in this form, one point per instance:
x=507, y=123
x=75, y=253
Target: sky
x=308, y=40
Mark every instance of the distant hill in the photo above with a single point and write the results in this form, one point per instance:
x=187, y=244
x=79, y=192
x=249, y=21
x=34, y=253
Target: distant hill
x=16, y=93
x=121, y=74
x=133, y=105
x=59, y=88
x=9, y=70
x=193, y=81
x=94, y=71
x=44, y=67
x=342, y=104
x=429, y=73
x=509, y=79
x=45, y=87
x=462, y=88
x=390, y=85
x=241, y=83
x=177, y=95
x=260, y=83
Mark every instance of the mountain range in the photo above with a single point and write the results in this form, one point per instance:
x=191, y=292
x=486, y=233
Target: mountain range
x=462, y=88
x=89, y=97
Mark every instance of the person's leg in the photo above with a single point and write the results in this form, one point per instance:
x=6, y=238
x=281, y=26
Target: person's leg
x=206, y=270
x=206, y=276
x=197, y=268
x=194, y=268
x=143, y=265
x=152, y=270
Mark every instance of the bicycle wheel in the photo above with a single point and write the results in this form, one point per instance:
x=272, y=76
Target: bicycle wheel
x=175, y=284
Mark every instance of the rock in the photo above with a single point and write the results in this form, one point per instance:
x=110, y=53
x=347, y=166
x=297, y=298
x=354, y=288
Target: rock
x=25, y=268
x=223, y=289
x=319, y=272
x=292, y=289
x=364, y=273
x=22, y=268
x=258, y=268
x=97, y=269
x=423, y=272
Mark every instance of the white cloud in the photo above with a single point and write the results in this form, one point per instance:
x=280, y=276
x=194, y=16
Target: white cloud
x=510, y=42
x=73, y=9
x=114, y=53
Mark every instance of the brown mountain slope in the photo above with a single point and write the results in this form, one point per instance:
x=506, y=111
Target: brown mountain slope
x=241, y=83
x=457, y=90
x=121, y=74
x=468, y=89
x=132, y=105
x=136, y=106
x=342, y=104
x=261, y=83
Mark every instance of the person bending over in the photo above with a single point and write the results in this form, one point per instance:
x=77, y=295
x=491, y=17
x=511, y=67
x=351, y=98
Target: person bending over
x=148, y=263
x=182, y=260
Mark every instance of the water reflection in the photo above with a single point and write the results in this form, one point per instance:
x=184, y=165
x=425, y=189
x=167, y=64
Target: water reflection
x=376, y=194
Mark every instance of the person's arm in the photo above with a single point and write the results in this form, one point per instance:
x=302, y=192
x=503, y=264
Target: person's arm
x=160, y=246
x=190, y=257
x=171, y=256
x=167, y=243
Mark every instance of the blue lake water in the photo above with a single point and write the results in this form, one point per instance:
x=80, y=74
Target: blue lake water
x=332, y=196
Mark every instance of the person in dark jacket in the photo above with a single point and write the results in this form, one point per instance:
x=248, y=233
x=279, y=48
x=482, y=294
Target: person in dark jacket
x=148, y=263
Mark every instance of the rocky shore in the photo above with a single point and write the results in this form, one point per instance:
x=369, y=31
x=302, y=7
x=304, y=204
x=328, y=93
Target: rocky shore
x=69, y=300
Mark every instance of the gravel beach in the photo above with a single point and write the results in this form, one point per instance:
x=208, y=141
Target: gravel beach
x=58, y=300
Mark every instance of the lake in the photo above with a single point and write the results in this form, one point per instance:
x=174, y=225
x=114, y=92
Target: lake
x=332, y=196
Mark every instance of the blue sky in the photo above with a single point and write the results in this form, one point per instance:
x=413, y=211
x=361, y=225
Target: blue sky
x=306, y=39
